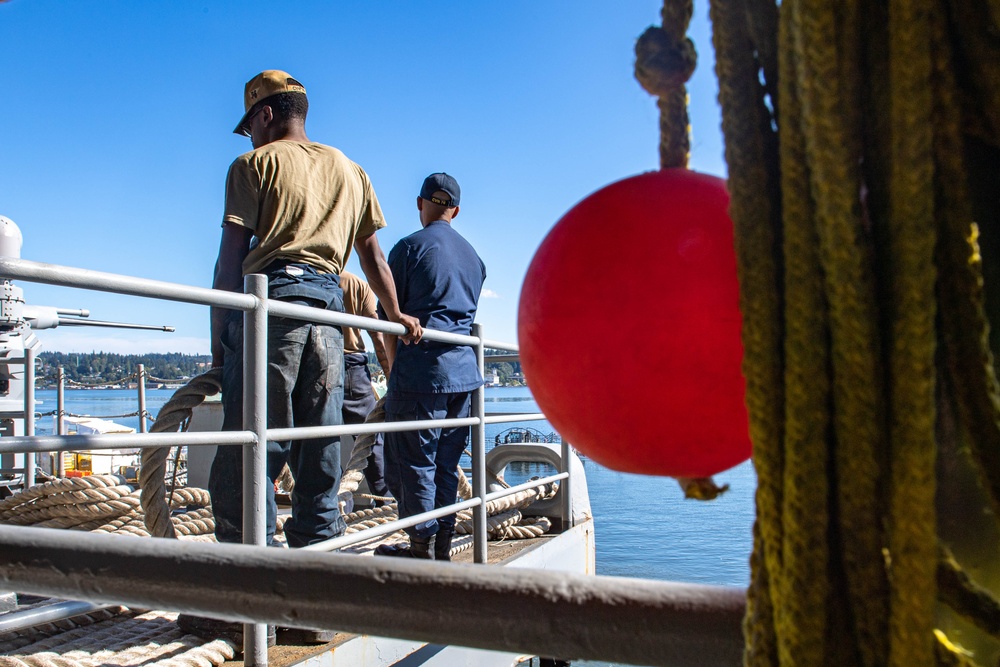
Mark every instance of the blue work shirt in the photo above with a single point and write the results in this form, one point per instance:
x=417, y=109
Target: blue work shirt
x=438, y=278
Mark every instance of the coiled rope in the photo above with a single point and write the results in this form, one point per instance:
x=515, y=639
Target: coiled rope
x=174, y=415
x=151, y=639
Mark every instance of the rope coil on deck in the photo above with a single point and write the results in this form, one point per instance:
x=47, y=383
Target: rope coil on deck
x=152, y=640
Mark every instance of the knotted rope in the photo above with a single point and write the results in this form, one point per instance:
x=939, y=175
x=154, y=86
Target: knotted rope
x=664, y=61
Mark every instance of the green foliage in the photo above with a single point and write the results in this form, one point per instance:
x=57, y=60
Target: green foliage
x=111, y=367
x=508, y=373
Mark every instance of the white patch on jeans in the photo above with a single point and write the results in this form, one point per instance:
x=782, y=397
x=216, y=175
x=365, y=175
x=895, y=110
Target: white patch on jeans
x=294, y=270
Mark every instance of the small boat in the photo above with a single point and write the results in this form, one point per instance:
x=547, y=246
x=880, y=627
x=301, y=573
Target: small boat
x=518, y=435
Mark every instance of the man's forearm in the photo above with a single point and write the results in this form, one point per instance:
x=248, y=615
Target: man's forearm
x=378, y=342
x=390, y=350
x=228, y=276
x=218, y=322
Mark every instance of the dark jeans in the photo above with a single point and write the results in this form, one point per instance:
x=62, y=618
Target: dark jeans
x=421, y=466
x=304, y=388
x=359, y=401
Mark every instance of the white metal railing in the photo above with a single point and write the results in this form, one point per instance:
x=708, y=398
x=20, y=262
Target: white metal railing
x=257, y=307
x=428, y=577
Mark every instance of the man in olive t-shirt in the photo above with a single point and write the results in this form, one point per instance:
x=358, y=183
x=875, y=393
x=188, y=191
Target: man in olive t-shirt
x=294, y=211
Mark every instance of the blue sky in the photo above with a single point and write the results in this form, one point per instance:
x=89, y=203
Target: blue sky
x=117, y=120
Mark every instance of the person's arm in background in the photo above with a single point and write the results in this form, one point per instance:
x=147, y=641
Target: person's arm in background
x=233, y=249
x=381, y=353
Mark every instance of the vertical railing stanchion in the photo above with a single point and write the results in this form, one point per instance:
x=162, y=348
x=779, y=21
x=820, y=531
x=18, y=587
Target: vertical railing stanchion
x=255, y=454
x=60, y=419
x=479, y=515
x=142, y=398
x=29, y=413
x=566, y=485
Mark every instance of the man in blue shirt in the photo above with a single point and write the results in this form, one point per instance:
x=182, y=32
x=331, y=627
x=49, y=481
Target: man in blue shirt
x=438, y=278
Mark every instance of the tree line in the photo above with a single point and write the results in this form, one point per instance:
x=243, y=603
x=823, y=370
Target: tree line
x=112, y=367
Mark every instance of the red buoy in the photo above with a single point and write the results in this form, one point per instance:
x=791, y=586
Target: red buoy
x=629, y=327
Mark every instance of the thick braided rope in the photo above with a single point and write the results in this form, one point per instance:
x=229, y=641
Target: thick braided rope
x=111, y=510
x=12, y=641
x=369, y=518
x=67, y=484
x=912, y=521
x=151, y=639
x=495, y=524
x=464, y=487
x=371, y=513
x=83, y=496
x=510, y=525
x=111, y=507
x=189, y=495
x=172, y=415
x=460, y=543
x=807, y=419
x=519, y=500
x=527, y=528
x=665, y=60
x=846, y=252
x=755, y=211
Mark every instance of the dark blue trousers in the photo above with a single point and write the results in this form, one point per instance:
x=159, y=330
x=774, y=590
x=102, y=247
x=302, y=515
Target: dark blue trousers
x=304, y=388
x=359, y=401
x=421, y=466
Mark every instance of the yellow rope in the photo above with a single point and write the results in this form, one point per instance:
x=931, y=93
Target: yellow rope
x=844, y=313
x=912, y=530
x=826, y=118
x=807, y=421
x=756, y=218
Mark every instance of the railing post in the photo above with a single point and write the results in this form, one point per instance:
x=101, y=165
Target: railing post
x=566, y=486
x=29, y=413
x=142, y=399
x=480, y=536
x=61, y=418
x=255, y=455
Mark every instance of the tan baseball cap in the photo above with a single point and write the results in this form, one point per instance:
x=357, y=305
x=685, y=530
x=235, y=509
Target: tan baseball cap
x=267, y=83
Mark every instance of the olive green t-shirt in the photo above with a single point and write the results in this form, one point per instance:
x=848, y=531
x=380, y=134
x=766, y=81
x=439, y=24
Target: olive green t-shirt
x=358, y=300
x=304, y=202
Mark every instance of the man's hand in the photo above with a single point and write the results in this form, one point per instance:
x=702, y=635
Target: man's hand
x=412, y=324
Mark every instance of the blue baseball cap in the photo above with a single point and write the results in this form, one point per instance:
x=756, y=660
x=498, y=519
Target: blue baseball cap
x=444, y=183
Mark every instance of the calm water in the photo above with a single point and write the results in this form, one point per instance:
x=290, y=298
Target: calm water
x=644, y=527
